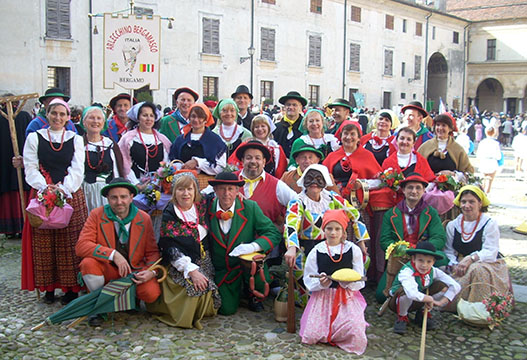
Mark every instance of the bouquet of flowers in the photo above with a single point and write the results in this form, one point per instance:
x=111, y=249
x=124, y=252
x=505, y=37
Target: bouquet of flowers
x=499, y=307
x=164, y=176
x=154, y=198
x=447, y=183
x=49, y=210
x=471, y=179
x=391, y=178
x=397, y=249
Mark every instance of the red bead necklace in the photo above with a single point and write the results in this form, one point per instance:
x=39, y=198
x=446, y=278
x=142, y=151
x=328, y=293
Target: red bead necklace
x=100, y=159
x=61, y=141
x=190, y=224
x=150, y=153
x=227, y=139
x=466, y=236
x=341, y=252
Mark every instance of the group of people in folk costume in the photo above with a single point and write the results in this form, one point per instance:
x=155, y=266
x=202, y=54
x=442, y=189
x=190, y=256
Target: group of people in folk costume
x=290, y=199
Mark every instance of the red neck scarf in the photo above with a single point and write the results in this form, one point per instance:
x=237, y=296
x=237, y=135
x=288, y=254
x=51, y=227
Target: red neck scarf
x=120, y=126
x=422, y=276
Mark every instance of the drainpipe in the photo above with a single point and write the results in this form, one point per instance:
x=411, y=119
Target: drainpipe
x=252, y=45
x=344, y=52
x=465, y=57
x=427, y=17
x=91, y=56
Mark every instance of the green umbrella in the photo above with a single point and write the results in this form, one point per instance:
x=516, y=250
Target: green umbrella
x=117, y=295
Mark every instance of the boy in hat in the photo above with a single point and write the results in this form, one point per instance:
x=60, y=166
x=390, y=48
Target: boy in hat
x=420, y=283
x=413, y=115
x=342, y=109
x=237, y=227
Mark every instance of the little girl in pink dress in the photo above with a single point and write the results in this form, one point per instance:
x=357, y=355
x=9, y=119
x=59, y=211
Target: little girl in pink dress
x=335, y=311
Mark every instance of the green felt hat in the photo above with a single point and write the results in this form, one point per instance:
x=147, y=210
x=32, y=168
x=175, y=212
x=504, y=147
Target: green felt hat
x=426, y=248
x=341, y=102
x=118, y=182
x=54, y=92
x=309, y=148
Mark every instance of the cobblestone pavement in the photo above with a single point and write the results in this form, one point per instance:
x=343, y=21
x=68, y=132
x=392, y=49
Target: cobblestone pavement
x=247, y=335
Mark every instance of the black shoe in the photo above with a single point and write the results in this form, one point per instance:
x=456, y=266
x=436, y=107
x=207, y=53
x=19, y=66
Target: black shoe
x=400, y=325
x=255, y=305
x=49, y=298
x=95, y=320
x=68, y=297
x=431, y=324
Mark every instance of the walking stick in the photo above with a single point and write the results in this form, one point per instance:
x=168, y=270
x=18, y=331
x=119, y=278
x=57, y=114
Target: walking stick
x=291, y=322
x=423, y=333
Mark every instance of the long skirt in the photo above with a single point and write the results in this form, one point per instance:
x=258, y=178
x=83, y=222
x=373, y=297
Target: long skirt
x=55, y=264
x=180, y=304
x=339, y=321
x=481, y=274
x=11, y=217
x=92, y=192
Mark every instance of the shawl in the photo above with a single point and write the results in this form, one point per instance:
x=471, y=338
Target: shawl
x=456, y=152
x=213, y=146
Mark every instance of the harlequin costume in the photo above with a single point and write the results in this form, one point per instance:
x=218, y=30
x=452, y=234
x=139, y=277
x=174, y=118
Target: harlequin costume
x=102, y=235
x=303, y=222
x=334, y=314
x=248, y=224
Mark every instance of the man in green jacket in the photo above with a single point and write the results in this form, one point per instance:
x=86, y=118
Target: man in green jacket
x=237, y=227
x=172, y=124
x=411, y=220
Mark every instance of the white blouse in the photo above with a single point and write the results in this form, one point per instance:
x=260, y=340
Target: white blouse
x=491, y=238
x=75, y=172
x=311, y=266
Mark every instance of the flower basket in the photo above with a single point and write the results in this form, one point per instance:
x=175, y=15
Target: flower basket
x=441, y=200
x=396, y=256
x=49, y=210
x=487, y=313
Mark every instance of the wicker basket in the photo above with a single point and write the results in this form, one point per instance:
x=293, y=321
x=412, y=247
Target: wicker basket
x=462, y=305
x=393, y=266
x=36, y=221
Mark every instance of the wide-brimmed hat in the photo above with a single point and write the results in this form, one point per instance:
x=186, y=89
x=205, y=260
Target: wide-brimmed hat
x=242, y=89
x=54, y=92
x=253, y=144
x=425, y=248
x=118, y=182
x=122, y=96
x=476, y=190
x=338, y=215
x=293, y=95
x=341, y=102
x=414, y=177
x=227, y=178
x=188, y=90
x=417, y=106
x=309, y=148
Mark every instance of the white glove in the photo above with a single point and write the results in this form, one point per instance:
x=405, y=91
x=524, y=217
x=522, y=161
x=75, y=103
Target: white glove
x=243, y=249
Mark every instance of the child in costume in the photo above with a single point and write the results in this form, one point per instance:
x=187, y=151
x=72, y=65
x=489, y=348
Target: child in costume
x=420, y=283
x=335, y=311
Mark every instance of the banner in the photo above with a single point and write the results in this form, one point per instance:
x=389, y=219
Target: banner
x=131, y=51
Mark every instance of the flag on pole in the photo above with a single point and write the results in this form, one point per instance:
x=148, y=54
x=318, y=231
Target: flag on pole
x=442, y=107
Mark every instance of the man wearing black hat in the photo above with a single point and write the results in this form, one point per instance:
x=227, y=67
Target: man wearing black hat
x=341, y=111
x=287, y=130
x=413, y=115
x=271, y=194
x=243, y=97
x=40, y=121
x=172, y=124
x=304, y=156
x=237, y=227
x=116, y=240
x=120, y=105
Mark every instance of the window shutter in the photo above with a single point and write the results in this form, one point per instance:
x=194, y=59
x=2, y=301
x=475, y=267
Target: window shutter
x=52, y=19
x=64, y=19
x=271, y=44
x=215, y=36
x=417, y=75
x=354, y=57
x=388, y=62
x=206, y=35
x=315, y=50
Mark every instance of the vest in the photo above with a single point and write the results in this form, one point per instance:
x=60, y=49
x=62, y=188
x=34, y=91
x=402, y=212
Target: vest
x=429, y=279
x=265, y=195
x=55, y=163
x=326, y=265
x=467, y=248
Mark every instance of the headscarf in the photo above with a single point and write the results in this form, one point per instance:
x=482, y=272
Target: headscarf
x=88, y=110
x=221, y=105
x=394, y=118
x=338, y=134
x=59, y=101
x=210, y=120
x=337, y=215
x=320, y=168
x=270, y=123
x=133, y=113
x=475, y=189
